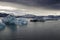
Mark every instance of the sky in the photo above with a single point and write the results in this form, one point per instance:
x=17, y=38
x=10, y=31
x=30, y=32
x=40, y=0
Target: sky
x=37, y=7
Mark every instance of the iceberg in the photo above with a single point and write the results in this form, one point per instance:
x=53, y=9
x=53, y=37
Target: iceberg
x=22, y=21
x=10, y=19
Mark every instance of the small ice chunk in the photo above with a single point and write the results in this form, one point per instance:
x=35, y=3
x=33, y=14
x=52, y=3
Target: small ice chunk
x=22, y=21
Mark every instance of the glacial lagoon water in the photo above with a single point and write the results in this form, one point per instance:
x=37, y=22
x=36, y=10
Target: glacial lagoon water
x=49, y=30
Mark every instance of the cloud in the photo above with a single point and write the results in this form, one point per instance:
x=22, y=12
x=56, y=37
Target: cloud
x=49, y=4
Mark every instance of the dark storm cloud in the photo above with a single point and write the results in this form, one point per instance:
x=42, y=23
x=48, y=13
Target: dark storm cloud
x=53, y=4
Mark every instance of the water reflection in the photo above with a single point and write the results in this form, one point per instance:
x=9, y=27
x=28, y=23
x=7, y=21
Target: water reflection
x=22, y=25
x=2, y=26
x=12, y=27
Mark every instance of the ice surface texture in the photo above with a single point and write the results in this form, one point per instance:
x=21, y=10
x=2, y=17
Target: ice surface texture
x=22, y=21
x=10, y=19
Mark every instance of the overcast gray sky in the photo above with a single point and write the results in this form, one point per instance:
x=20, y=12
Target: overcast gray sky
x=52, y=4
x=42, y=7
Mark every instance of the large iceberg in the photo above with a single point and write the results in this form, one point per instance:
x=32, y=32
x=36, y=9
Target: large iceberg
x=21, y=21
x=10, y=19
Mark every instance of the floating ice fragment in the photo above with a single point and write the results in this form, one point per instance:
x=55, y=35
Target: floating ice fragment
x=22, y=21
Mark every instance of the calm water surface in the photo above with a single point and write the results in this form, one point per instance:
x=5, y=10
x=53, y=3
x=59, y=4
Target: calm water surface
x=33, y=31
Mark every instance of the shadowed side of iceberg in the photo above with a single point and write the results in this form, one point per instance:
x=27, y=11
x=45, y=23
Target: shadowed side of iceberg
x=9, y=20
